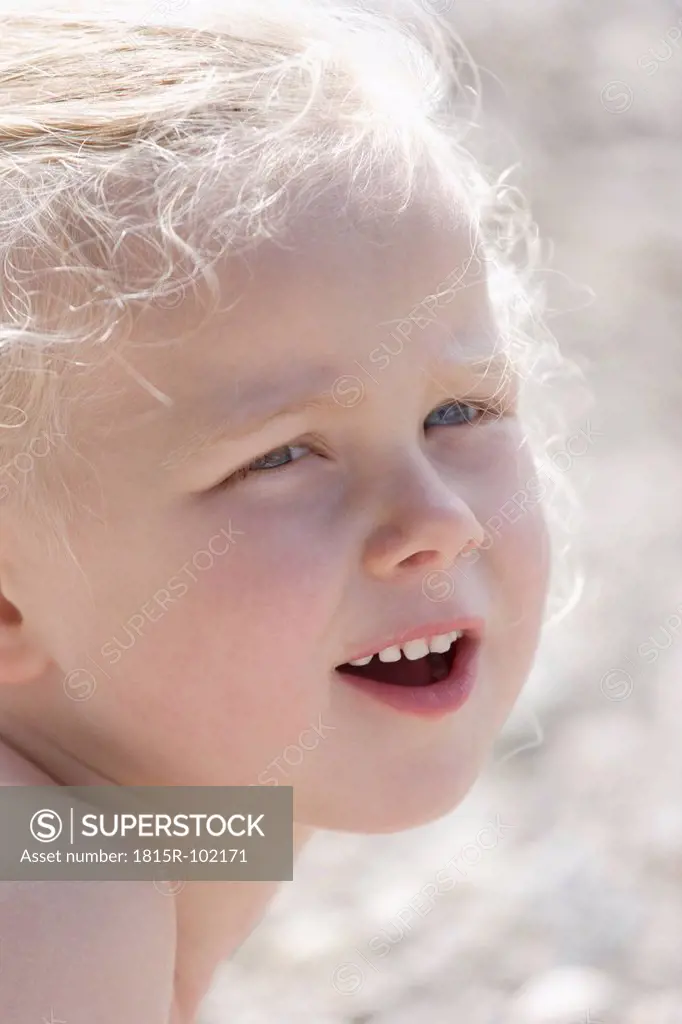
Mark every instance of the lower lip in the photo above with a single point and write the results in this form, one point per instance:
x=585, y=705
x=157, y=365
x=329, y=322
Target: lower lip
x=431, y=701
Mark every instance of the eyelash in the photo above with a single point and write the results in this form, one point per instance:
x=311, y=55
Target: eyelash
x=483, y=411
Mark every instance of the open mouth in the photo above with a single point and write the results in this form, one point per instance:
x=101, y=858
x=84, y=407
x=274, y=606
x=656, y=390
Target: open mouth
x=417, y=663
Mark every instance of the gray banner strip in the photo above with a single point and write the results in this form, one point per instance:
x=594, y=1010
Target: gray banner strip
x=138, y=833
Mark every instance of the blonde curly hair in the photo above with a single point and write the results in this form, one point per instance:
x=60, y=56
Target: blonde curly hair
x=198, y=128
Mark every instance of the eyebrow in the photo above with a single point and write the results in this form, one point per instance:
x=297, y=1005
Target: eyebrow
x=229, y=414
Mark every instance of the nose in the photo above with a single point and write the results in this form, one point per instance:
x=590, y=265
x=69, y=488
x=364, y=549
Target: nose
x=428, y=526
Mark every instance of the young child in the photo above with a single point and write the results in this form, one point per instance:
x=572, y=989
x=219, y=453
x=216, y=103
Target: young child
x=261, y=365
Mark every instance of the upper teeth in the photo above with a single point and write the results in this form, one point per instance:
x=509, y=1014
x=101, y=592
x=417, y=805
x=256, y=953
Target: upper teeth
x=414, y=649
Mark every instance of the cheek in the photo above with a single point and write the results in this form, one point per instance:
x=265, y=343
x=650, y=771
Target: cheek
x=251, y=631
x=217, y=660
x=506, y=497
x=517, y=552
x=284, y=576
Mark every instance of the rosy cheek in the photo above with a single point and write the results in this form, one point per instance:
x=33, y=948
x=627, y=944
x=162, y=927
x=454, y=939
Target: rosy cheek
x=276, y=590
x=515, y=549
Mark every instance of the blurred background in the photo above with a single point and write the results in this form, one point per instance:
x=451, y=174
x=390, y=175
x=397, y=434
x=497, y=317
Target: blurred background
x=567, y=856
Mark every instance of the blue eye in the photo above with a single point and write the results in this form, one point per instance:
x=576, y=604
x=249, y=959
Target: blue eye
x=450, y=414
x=453, y=414
x=277, y=457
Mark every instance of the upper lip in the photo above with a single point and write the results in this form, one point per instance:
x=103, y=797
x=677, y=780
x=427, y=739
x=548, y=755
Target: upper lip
x=471, y=625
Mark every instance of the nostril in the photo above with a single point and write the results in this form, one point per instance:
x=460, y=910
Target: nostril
x=421, y=542
x=420, y=559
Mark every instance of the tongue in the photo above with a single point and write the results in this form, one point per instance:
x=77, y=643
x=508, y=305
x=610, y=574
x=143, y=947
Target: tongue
x=421, y=672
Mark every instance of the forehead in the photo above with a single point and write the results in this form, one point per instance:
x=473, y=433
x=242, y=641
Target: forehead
x=371, y=276
x=328, y=292
x=336, y=283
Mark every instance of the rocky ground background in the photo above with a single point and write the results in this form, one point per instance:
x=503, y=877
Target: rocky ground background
x=568, y=903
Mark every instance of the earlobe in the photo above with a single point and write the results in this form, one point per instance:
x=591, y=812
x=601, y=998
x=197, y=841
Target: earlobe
x=22, y=657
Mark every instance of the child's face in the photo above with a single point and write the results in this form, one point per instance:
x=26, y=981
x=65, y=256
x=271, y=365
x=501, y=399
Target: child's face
x=206, y=620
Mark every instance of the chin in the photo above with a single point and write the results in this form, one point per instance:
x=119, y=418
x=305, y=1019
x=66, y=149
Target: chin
x=387, y=808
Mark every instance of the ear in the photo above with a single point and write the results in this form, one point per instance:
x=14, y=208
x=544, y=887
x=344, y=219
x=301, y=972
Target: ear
x=22, y=657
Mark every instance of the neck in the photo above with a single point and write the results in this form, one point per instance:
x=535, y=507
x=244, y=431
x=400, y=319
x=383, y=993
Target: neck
x=213, y=920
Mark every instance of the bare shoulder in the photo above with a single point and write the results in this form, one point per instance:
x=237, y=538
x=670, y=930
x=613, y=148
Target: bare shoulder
x=83, y=951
